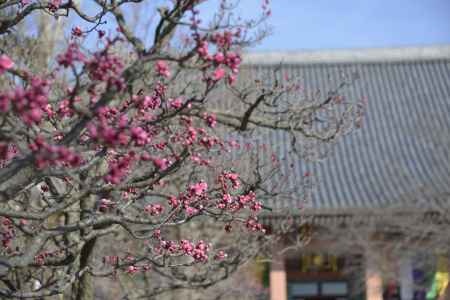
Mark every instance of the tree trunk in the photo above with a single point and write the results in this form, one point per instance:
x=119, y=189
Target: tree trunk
x=84, y=288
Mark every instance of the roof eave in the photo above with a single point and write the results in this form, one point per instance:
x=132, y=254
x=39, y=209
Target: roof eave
x=371, y=55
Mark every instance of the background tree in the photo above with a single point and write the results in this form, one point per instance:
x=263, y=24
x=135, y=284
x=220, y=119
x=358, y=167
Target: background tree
x=119, y=151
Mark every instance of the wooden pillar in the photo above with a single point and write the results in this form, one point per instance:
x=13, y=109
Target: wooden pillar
x=374, y=280
x=441, y=277
x=406, y=278
x=278, y=280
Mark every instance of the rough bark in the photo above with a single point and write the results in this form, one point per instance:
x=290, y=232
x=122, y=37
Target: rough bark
x=84, y=290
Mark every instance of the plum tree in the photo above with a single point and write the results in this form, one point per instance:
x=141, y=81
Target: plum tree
x=121, y=137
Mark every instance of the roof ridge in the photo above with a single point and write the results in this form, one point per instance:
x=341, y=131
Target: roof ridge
x=363, y=55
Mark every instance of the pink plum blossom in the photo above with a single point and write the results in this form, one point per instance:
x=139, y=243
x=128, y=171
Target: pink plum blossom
x=5, y=63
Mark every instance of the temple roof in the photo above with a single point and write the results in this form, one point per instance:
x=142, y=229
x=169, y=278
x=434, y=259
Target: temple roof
x=352, y=56
x=401, y=156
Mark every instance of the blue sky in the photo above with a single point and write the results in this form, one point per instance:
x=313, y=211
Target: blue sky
x=334, y=24
x=327, y=24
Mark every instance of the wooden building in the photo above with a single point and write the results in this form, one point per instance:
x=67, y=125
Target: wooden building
x=395, y=169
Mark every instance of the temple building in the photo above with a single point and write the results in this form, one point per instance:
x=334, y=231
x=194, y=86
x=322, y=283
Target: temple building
x=376, y=226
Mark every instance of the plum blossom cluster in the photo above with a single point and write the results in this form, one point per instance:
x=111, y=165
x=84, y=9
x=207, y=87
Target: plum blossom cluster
x=266, y=7
x=196, y=198
x=54, y=5
x=161, y=163
x=30, y=103
x=211, y=119
x=224, y=58
x=111, y=260
x=145, y=103
x=7, y=152
x=176, y=103
x=119, y=168
x=237, y=203
x=65, y=107
x=229, y=177
x=253, y=225
x=5, y=63
x=106, y=204
x=50, y=155
x=199, y=251
x=77, y=32
x=162, y=69
x=105, y=131
x=40, y=259
x=199, y=136
x=73, y=54
x=198, y=189
x=135, y=269
x=197, y=159
x=220, y=255
x=106, y=67
x=139, y=136
x=150, y=102
x=128, y=263
x=229, y=182
x=193, y=200
x=25, y=2
x=113, y=129
x=154, y=209
x=7, y=233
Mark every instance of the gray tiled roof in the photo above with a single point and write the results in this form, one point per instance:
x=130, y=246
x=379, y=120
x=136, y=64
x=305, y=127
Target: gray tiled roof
x=401, y=156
